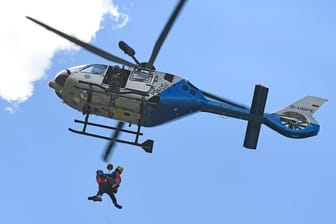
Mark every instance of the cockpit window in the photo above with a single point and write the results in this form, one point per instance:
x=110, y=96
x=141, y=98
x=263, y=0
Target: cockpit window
x=95, y=69
x=77, y=68
x=141, y=76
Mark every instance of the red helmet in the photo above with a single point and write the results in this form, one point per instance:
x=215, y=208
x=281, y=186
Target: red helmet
x=110, y=166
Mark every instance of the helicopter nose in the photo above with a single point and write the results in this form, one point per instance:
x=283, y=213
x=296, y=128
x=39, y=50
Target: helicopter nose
x=52, y=84
x=61, y=78
x=59, y=82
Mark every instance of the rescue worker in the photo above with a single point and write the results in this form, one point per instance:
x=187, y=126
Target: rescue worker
x=101, y=178
x=115, y=79
x=109, y=184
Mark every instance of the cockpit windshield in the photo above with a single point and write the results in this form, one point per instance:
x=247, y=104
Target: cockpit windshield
x=77, y=68
x=98, y=69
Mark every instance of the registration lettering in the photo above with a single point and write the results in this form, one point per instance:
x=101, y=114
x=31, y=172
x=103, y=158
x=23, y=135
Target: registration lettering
x=158, y=89
x=301, y=108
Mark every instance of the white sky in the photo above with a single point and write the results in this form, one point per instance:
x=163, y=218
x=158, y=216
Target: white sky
x=19, y=45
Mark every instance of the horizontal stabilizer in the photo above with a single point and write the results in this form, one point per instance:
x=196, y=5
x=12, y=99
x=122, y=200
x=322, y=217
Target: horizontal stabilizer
x=257, y=112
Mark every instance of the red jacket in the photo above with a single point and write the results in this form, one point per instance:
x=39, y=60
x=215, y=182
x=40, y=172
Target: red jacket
x=117, y=178
x=100, y=180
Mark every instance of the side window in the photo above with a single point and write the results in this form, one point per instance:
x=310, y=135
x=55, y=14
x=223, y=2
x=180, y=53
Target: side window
x=140, y=81
x=141, y=77
x=95, y=69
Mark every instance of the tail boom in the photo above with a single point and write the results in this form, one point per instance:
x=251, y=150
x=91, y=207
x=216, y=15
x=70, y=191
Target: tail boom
x=293, y=121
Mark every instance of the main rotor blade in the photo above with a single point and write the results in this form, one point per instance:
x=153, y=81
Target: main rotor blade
x=220, y=99
x=164, y=33
x=87, y=46
x=112, y=142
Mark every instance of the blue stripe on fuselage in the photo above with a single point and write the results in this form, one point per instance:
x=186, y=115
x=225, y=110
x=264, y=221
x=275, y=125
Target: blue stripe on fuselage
x=176, y=101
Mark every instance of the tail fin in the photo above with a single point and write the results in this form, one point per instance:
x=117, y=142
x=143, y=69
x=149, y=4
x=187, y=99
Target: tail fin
x=296, y=120
x=293, y=121
x=305, y=106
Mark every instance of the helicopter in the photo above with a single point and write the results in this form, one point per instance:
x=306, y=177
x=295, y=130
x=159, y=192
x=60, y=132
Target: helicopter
x=137, y=93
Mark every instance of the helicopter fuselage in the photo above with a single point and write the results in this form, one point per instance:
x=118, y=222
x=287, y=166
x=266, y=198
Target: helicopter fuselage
x=137, y=96
x=148, y=98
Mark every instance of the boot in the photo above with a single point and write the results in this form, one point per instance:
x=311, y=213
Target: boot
x=95, y=198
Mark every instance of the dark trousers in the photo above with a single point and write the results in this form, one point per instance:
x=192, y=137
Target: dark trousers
x=107, y=188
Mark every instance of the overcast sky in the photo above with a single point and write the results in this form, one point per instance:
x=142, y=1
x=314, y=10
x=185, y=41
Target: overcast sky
x=199, y=171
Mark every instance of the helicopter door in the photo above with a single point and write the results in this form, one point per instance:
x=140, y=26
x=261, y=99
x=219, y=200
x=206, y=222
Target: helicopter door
x=140, y=81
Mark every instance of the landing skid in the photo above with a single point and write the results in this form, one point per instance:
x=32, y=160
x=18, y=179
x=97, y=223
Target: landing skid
x=146, y=145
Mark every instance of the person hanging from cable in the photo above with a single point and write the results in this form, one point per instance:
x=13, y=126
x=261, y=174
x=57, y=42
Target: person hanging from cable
x=101, y=178
x=108, y=183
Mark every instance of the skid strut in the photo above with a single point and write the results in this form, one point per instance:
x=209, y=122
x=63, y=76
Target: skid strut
x=146, y=145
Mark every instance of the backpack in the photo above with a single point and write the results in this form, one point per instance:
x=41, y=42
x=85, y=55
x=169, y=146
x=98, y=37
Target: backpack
x=100, y=177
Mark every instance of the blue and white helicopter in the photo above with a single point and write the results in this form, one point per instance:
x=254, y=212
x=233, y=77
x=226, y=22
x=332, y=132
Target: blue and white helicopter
x=136, y=93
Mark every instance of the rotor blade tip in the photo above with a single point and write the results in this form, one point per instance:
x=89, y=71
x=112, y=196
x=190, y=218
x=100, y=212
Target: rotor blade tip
x=30, y=18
